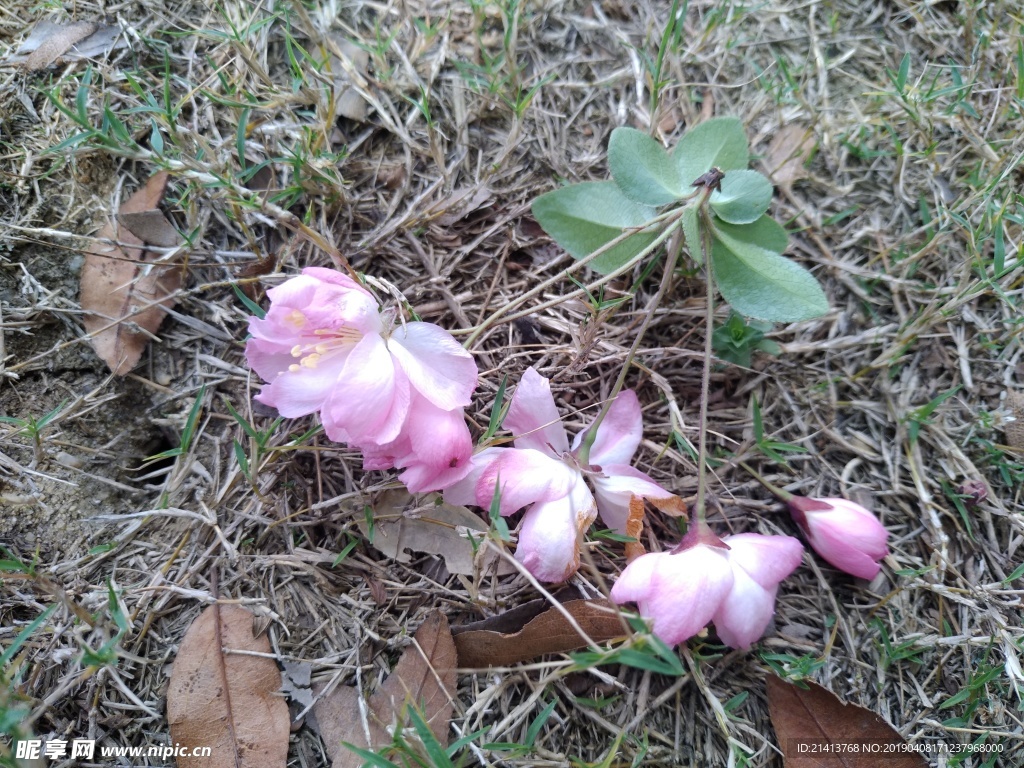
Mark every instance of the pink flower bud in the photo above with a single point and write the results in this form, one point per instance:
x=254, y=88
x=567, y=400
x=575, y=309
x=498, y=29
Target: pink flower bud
x=845, y=534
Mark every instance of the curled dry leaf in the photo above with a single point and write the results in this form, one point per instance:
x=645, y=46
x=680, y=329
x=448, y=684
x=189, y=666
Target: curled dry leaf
x=441, y=529
x=535, y=629
x=125, y=292
x=50, y=43
x=816, y=716
x=57, y=44
x=635, y=528
x=424, y=676
x=229, y=702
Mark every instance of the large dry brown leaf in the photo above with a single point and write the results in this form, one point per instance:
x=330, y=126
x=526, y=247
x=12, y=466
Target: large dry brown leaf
x=230, y=702
x=51, y=43
x=124, y=294
x=441, y=529
x=493, y=642
x=789, y=150
x=424, y=676
x=817, y=730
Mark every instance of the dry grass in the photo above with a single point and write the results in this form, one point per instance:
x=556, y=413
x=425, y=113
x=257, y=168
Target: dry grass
x=896, y=217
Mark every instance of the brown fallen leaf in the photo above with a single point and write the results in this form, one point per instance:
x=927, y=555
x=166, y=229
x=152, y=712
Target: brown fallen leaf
x=788, y=151
x=424, y=676
x=51, y=43
x=124, y=293
x=496, y=642
x=57, y=44
x=229, y=702
x=817, y=730
x=441, y=529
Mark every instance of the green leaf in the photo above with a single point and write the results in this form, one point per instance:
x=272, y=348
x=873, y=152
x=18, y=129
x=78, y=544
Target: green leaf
x=643, y=169
x=744, y=197
x=583, y=217
x=766, y=232
x=760, y=283
x=691, y=233
x=720, y=142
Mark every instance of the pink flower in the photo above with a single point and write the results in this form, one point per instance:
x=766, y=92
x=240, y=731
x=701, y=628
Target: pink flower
x=543, y=473
x=730, y=581
x=843, y=533
x=394, y=391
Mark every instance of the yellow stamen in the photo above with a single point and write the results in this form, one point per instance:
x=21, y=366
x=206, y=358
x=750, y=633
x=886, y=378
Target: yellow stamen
x=310, y=361
x=295, y=318
x=297, y=350
x=293, y=368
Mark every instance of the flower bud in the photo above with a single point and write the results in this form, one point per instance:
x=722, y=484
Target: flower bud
x=845, y=534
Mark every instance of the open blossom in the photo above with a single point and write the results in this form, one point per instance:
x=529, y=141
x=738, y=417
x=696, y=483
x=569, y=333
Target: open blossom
x=394, y=391
x=731, y=582
x=843, y=533
x=542, y=472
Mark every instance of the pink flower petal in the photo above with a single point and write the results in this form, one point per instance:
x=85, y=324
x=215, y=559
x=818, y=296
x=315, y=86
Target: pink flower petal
x=334, y=277
x=301, y=392
x=440, y=447
x=463, y=492
x=686, y=592
x=297, y=291
x=526, y=476
x=634, y=583
x=548, y=545
x=435, y=363
x=745, y=612
x=619, y=433
x=533, y=418
x=269, y=360
x=614, y=487
x=766, y=559
x=370, y=400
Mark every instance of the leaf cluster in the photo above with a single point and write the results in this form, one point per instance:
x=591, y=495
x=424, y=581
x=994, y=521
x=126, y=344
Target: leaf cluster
x=703, y=188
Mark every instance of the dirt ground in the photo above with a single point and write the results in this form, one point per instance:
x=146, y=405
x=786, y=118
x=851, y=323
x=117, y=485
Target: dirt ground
x=410, y=138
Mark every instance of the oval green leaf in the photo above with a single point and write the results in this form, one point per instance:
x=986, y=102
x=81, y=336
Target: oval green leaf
x=763, y=284
x=720, y=142
x=642, y=168
x=744, y=197
x=584, y=217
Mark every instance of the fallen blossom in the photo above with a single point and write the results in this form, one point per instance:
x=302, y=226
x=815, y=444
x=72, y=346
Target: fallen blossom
x=395, y=391
x=731, y=582
x=543, y=473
